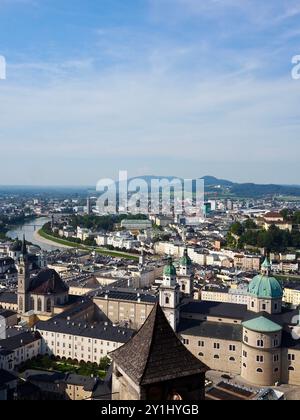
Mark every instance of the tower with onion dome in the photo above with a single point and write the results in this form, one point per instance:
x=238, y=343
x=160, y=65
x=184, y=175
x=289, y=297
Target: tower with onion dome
x=185, y=278
x=169, y=294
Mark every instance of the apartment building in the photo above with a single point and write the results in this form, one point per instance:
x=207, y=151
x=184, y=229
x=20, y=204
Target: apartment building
x=80, y=341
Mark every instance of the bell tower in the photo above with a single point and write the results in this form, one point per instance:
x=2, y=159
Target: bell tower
x=23, y=280
x=169, y=295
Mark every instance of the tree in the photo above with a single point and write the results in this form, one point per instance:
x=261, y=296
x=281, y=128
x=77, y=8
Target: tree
x=237, y=229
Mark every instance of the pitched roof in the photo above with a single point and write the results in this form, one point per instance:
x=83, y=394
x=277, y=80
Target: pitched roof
x=155, y=353
x=48, y=281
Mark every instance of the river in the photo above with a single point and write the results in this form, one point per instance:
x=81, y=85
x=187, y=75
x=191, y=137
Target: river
x=29, y=229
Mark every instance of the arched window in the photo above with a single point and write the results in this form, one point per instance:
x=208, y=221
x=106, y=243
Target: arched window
x=167, y=300
x=259, y=370
x=39, y=305
x=260, y=343
x=49, y=305
x=291, y=368
x=183, y=287
x=201, y=354
x=232, y=359
x=21, y=304
x=32, y=303
x=216, y=356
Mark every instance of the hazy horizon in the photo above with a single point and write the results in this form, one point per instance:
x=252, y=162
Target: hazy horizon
x=150, y=86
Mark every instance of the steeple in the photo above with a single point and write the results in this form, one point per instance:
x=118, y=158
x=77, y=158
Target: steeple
x=170, y=273
x=266, y=267
x=155, y=354
x=24, y=251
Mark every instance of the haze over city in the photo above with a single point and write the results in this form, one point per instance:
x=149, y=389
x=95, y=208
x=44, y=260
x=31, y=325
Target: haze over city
x=165, y=87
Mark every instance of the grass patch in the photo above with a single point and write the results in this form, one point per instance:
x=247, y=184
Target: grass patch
x=101, y=251
x=45, y=363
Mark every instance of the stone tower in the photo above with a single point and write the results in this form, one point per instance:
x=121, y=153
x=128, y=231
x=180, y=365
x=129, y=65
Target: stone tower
x=155, y=366
x=23, y=280
x=169, y=294
x=186, y=275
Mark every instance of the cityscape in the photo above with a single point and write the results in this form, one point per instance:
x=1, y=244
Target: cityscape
x=178, y=278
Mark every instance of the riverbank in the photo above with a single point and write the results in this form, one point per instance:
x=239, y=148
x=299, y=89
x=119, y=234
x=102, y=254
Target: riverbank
x=45, y=241
x=62, y=243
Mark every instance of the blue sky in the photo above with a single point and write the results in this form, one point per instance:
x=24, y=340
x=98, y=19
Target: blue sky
x=164, y=87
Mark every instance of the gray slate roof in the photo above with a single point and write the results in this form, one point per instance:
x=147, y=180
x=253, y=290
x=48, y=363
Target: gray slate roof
x=155, y=354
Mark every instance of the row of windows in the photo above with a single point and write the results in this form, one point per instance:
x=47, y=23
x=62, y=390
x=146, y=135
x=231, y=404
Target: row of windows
x=82, y=348
x=216, y=346
x=217, y=357
x=260, y=370
x=264, y=306
x=260, y=343
x=261, y=359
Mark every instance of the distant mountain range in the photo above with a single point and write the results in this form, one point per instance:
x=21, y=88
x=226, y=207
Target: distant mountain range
x=213, y=186
x=239, y=190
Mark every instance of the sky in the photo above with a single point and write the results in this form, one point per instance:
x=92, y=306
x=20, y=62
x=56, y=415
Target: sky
x=156, y=87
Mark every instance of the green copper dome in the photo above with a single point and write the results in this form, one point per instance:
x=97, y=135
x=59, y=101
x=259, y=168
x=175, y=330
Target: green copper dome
x=265, y=287
x=263, y=325
x=185, y=260
x=170, y=270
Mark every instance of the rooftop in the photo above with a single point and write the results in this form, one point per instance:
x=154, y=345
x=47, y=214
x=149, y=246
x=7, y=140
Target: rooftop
x=99, y=331
x=262, y=324
x=155, y=354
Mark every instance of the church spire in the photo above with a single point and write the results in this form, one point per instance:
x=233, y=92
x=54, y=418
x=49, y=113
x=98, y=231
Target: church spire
x=24, y=247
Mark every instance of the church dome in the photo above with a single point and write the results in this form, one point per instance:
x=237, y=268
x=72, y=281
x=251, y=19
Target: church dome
x=185, y=261
x=264, y=286
x=170, y=270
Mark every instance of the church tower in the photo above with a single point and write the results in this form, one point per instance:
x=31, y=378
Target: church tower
x=186, y=274
x=23, y=280
x=169, y=295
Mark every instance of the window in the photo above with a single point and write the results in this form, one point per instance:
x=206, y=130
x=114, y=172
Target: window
x=21, y=304
x=232, y=359
x=276, y=370
x=276, y=306
x=291, y=357
x=245, y=354
x=244, y=365
x=260, y=343
x=201, y=354
x=264, y=306
x=167, y=301
x=48, y=305
x=183, y=287
x=260, y=359
x=232, y=347
x=186, y=341
x=32, y=303
x=259, y=370
x=39, y=305
x=291, y=368
x=201, y=343
x=216, y=356
x=252, y=304
x=276, y=358
x=245, y=339
x=217, y=346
